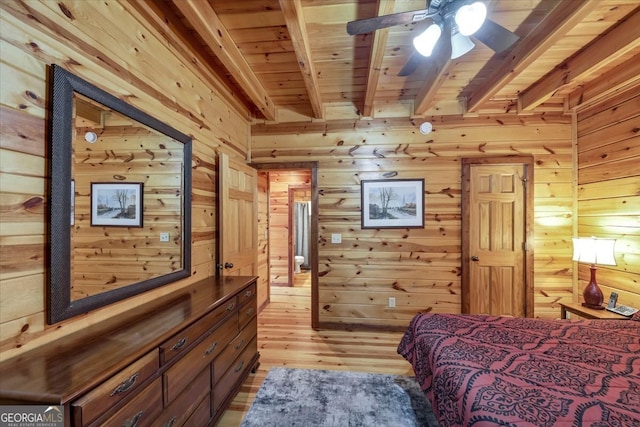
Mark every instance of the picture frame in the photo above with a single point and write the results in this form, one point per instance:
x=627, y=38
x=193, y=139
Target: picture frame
x=116, y=204
x=392, y=203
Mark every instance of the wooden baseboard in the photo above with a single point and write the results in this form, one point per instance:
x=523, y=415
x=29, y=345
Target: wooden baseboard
x=360, y=327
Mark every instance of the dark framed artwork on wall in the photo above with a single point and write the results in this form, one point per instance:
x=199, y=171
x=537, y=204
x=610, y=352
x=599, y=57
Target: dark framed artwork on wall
x=116, y=204
x=392, y=203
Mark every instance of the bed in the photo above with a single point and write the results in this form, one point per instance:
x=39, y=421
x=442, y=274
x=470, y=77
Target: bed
x=480, y=370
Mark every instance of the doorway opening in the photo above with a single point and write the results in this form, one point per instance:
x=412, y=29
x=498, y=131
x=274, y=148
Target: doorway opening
x=285, y=186
x=299, y=231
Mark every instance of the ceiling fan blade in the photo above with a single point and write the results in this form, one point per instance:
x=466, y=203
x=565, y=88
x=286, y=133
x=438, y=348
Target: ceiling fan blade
x=412, y=64
x=442, y=51
x=495, y=36
x=367, y=25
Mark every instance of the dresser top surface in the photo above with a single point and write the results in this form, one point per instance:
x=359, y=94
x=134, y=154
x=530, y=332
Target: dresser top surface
x=58, y=371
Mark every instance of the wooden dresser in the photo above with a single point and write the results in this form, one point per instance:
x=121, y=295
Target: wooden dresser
x=178, y=360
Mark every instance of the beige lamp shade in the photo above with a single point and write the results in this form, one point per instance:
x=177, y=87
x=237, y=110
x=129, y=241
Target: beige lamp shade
x=594, y=251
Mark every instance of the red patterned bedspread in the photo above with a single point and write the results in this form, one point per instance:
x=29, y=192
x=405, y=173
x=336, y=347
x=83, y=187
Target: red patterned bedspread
x=485, y=370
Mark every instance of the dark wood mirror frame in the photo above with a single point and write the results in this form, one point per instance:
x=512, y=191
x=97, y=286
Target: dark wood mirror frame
x=60, y=305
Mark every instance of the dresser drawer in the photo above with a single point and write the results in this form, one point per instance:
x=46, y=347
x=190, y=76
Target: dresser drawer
x=247, y=295
x=181, y=341
x=120, y=386
x=232, y=351
x=180, y=375
x=201, y=415
x=140, y=411
x=187, y=402
x=230, y=378
x=248, y=312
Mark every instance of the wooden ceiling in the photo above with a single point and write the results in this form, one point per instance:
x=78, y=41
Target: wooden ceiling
x=292, y=60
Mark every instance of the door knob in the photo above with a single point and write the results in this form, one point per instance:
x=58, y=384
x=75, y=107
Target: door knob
x=475, y=258
x=228, y=265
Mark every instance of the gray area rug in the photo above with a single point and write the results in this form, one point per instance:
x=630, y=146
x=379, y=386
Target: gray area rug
x=307, y=397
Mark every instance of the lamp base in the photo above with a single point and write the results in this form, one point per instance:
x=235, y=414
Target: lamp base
x=592, y=294
x=594, y=307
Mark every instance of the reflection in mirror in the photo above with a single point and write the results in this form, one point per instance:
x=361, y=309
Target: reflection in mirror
x=120, y=200
x=114, y=149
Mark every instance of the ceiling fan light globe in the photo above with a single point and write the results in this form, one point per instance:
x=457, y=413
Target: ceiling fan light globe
x=460, y=45
x=470, y=18
x=425, y=42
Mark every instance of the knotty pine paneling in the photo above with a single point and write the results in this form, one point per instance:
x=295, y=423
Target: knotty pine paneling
x=113, y=47
x=421, y=268
x=609, y=191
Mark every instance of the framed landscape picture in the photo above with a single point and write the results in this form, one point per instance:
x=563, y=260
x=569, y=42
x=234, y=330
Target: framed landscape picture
x=392, y=203
x=116, y=204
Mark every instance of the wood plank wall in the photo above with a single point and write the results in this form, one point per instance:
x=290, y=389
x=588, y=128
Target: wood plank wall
x=421, y=267
x=133, y=63
x=279, y=184
x=609, y=191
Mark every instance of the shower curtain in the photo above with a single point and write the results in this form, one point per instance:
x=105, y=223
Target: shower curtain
x=302, y=230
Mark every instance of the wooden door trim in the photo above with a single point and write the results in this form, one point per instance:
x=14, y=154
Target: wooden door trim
x=313, y=261
x=528, y=163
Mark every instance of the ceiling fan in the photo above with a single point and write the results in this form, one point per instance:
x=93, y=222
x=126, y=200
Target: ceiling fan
x=452, y=23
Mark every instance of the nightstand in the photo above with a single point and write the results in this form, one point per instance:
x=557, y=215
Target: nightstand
x=587, y=313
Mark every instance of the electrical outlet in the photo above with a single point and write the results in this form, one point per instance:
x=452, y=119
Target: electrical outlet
x=164, y=237
x=392, y=302
x=336, y=238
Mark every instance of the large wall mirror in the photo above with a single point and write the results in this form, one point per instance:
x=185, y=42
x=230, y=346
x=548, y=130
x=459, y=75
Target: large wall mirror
x=120, y=199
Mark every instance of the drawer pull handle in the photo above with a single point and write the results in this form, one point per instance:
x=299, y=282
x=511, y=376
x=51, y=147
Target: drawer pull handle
x=180, y=344
x=240, y=344
x=133, y=422
x=249, y=293
x=231, y=306
x=211, y=348
x=250, y=312
x=171, y=422
x=125, y=385
x=240, y=366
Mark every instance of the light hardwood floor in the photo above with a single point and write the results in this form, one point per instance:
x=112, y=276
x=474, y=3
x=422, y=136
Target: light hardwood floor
x=285, y=338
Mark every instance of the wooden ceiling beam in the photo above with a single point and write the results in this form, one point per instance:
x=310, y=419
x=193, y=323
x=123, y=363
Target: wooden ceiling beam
x=378, y=46
x=292, y=10
x=624, y=37
x=619, y=78
x=206, y=22
x=566, y=15
x=157, y=14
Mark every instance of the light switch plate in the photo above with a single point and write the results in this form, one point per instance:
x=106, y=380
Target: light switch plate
x=336, y=238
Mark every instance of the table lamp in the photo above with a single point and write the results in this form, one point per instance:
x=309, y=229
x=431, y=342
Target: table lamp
x=595, y=252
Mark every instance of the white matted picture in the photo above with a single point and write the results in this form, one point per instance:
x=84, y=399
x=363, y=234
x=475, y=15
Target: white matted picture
x=393, y=203
x=116, y=204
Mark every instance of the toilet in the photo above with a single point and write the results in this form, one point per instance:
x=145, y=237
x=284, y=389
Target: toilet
x=299, y=260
